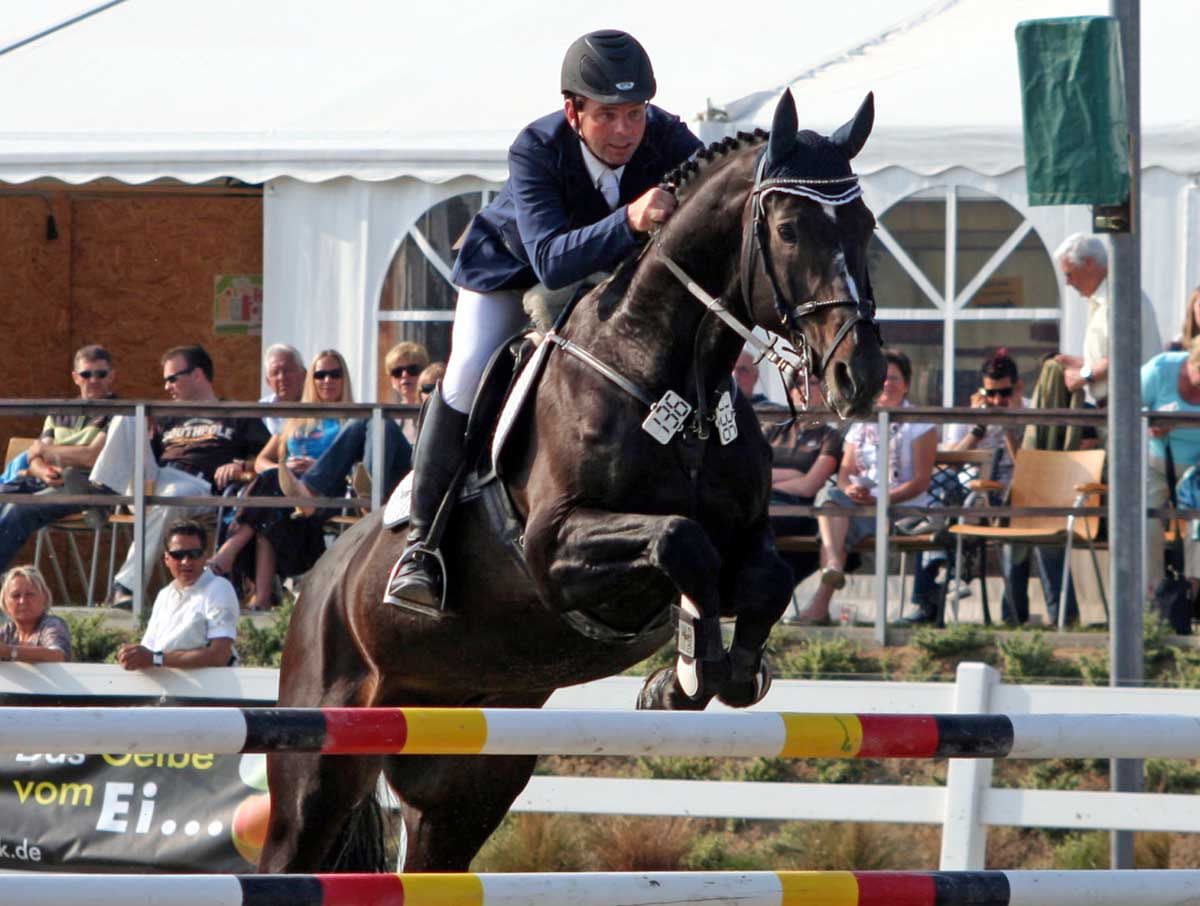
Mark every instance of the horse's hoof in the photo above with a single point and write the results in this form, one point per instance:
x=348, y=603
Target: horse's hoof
x=661, y=692
x=742, y=693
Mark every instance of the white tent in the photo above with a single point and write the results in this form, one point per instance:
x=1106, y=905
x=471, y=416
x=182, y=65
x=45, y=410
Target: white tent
x=949, y=117
x=360, y=116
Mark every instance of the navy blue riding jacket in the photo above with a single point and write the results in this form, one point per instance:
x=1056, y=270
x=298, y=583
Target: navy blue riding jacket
x=550, y=224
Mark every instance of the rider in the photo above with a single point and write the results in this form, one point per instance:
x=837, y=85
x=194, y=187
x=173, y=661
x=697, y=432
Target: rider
x=582, y=193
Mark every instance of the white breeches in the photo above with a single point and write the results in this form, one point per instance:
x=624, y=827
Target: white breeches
x=482, y=321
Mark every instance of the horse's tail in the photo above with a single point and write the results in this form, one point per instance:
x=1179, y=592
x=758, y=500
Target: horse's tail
x=360, y=846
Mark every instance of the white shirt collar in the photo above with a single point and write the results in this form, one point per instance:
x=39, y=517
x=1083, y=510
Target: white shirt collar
x=596, y=167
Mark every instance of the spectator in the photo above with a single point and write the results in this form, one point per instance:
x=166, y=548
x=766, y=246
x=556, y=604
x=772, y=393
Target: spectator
x=32, y=633
x=189, y=455
x=745, y=373
x=404, y=363
x=1170, y=383
x=194, y=622
x=910, y=453
x=806, y=456
x=283, y=368
x=429, y=379
x=1084, y=263
x=67, y=442
x=1191, y=324
x=283, y=545
x=1002, y=389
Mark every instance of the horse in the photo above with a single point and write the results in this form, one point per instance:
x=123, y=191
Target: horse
x=605, y=516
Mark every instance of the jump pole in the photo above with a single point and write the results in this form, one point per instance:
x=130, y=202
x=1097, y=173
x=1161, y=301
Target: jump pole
x=473, y=731
x=752, y=888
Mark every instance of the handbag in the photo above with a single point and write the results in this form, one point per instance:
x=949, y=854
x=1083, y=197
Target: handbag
x=1173, y=594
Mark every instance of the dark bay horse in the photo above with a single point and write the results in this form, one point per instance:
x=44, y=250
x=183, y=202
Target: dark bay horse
x=618, y=525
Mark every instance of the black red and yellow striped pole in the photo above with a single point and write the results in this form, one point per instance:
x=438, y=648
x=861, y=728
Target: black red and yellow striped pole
x=755, y=888
x=473, y=731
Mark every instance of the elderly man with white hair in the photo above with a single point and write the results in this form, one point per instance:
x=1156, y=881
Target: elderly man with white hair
x=283, y=371
x=1083, y=261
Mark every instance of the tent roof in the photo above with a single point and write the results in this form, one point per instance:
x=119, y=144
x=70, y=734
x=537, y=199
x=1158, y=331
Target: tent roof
x=376, y=89
x=947, y=90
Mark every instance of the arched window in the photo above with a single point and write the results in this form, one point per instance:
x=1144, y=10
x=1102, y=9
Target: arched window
x=957, y=273
x=417, y=300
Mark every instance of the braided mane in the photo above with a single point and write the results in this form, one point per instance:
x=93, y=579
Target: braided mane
x=698, y=164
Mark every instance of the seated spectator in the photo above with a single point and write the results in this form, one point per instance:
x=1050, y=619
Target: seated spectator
x=1002, y=388
x=910, y=454
x=429, y=379
x=32, y=633
x=327, y=476
x=67, y=442
x=189, y=454
x=194, y=622
x=1170, y=383
x=806, y=456
x=283, y=370
x=404, y=363
x=745, y=373
x=283, y=545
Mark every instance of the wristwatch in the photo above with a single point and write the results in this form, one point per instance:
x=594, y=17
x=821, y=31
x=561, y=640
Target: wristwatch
x=1086, y=373
x=158, y=658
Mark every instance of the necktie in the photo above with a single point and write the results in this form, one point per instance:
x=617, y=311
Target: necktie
x=610, y=188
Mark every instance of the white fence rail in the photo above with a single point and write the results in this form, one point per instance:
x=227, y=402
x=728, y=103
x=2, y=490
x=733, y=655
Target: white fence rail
x=966, y=807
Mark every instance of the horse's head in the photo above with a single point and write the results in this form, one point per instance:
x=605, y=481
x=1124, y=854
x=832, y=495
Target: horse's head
x=805, y=255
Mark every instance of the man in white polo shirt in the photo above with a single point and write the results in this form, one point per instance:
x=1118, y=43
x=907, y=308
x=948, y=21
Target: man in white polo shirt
x=194, y=621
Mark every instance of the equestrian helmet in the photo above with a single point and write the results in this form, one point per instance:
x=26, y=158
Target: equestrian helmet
x=609, y=67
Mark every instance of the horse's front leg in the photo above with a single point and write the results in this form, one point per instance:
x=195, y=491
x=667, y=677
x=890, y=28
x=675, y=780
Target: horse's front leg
x=616, y=563
x=757, y=589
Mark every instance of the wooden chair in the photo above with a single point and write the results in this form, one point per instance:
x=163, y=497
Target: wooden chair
x=70, y=527
x=360, y=486
x=1047, y=478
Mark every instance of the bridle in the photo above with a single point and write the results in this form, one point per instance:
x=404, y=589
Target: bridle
x=755, y=240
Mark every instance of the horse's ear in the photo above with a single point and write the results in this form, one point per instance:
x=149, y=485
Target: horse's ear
x=853, y=135
x=783, y=129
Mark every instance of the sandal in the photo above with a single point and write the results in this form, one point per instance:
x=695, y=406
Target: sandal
x=833, y=577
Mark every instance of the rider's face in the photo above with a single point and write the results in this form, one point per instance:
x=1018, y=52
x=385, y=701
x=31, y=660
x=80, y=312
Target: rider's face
x=611, y=131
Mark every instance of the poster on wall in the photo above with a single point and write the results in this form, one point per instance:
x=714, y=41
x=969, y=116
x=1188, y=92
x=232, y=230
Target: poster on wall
x=153, y=813
x=237, y=304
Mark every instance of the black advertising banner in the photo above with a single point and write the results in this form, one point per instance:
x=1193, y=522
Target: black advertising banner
x=169, y=813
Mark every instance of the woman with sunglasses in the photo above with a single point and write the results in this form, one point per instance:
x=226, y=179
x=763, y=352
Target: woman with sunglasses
x=427, y=382
x=286, y=546
x=404, y=363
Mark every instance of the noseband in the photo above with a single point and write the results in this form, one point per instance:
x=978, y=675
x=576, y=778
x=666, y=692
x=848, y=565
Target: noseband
x=755, y=246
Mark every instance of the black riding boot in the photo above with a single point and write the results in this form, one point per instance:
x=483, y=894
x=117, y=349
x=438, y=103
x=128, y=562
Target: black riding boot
x=416, y=578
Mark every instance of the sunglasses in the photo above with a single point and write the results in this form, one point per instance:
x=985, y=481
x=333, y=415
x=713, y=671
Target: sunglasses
x=99, y=374
x=172, y=378
x=410, y=370
x=1002, y=392
x=428, y=388
x=187, y=553
x=333, y=374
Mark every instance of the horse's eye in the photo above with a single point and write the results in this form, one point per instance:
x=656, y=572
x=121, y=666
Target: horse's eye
x=787, y=232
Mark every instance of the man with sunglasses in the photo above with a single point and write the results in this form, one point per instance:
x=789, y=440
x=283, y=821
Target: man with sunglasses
x=66, y=450
x=194, y=621
x=1001, y=388
x=582, y=195
x=189, y=455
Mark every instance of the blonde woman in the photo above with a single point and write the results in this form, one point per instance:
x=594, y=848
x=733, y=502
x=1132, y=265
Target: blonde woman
x=284, y=545
x=32, y=633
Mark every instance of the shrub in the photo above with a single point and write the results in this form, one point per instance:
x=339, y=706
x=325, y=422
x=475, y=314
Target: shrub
x=536, y=842
x=1082, y=851
x=1168, y=776
x=712, y=852
x=92, y=641
x=958, y=640
x=1027, y=656
x=759, y=770
x=830, y=846
x=264, y=647
x=819, y=658
x=669, y=767
x=641, y=844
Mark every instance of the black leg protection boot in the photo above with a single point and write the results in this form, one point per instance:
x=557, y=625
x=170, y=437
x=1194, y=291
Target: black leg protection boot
x=417, y=576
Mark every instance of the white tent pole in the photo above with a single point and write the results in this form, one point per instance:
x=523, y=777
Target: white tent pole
x=950, y=309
